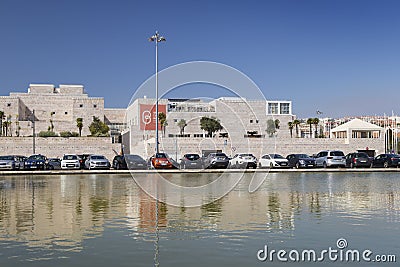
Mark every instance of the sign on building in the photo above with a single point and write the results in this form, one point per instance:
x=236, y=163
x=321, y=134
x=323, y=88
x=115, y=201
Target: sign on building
x=148, y=116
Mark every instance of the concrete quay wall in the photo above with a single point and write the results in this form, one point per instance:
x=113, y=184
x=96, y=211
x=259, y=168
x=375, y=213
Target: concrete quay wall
x=58, y=146
x=177, y=147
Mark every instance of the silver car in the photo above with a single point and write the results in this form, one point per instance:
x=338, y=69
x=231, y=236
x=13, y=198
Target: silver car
x=12, y=162
x=330, y=158
x=97, y=162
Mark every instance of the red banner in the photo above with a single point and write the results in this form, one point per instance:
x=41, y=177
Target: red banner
x=148, y=116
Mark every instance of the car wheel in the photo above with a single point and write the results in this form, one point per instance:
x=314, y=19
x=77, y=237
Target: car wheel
x=259, y=165
x=118, y=166
x=271, y=165
x=352, y=165
x=324, y=165
x=297, y=165
x=237, y=166
x=371, y=165
x=386, y=164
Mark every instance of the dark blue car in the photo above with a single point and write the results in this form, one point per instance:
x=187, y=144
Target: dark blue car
x=36, y=162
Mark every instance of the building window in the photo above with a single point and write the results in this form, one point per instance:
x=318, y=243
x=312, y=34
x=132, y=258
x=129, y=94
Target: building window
x=81, y=105
x=8, y=104
x=66, y=113
x=95, y=106
x=273, y=108
x=285, y=108
x=256, y=121
x=251, y=121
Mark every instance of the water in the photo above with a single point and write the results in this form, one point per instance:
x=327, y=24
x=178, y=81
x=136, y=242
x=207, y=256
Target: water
x=106, y=220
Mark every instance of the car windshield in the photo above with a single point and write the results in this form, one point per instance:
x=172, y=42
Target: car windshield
x=303, y=156
x=54, y=160
x=161, y=155
x=37, y=157
x=220, y=155
x=6, y=157
x=192, y=156
x=98, y=157
x=337, y=153
x=362, y=155
x=394, y=156
x=70, y=157
x=246, y=155
x=276, y=156
x=133, y=157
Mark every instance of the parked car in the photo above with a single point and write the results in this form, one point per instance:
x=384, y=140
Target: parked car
x=216, y=160
x=191, y=161
x=97, y=162
x=12, y=162
x=36, y=162
x=330, y=158
x=243, y=161
x=162, y=161
x=358, y=159
x=300, y=161
x=273, y=161
x=70, y=161
x=386, y=160
x=129, y=161
x=82, y=159
x=54, y=164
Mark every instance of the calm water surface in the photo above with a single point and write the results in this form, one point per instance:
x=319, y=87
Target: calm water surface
x=106, y=220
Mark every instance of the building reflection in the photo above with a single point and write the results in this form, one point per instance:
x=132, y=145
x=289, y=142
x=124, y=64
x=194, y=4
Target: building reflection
x=61, y=211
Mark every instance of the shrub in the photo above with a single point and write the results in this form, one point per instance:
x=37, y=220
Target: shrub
x=47, y=134
x=67, y=134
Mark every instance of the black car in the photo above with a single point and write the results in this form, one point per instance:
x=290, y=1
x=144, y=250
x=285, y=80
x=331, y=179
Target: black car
x=386, y=160
x=358, y=159
x=36, y=162
x=191, y=161
x=300, y=161
x=128, y=161
x=216, y=160
x=54, y=164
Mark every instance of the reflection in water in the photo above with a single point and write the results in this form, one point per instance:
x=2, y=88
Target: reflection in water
x=58, y=213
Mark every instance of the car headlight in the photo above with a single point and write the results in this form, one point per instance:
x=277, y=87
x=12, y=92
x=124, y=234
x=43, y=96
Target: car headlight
x=301, y=161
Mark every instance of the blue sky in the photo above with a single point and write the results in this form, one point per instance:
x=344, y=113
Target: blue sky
x=340, y=57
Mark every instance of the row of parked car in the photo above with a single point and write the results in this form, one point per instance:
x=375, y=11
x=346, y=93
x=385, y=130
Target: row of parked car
x=41, y=162
x=328, y=158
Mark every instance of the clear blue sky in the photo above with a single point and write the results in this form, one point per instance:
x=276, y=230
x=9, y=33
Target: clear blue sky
x=341, y=57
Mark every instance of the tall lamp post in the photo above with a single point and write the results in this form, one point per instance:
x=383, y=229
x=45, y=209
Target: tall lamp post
x=33, y=132
x=157, y=38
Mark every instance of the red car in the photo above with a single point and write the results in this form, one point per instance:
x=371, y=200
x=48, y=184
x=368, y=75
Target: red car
x=161, y=161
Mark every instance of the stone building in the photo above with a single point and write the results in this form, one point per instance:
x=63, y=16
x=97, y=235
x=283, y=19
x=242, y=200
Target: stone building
x=60, y=107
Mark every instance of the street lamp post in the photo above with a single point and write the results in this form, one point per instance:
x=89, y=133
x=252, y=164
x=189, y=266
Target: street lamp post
x=33, y=132
x=157, y=38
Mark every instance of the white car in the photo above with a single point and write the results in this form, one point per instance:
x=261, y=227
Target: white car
x=273, y=161
x=70, y=161
x=243, y=160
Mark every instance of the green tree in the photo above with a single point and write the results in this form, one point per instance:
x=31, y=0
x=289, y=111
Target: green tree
x=290, y=124
x=182, y=124
x=271, y=127
x=296, y=124
x=79, y=124
x=98, y=128
x=162, y=119
x=51, y=128
x=277, y=122
x=210, y=125
x=310, y=121
x=316, y=123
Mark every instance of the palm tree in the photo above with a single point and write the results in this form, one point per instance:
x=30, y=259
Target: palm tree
x=296, y=123
x=1, y=122
x=79, y=124
x=316, y=122
x=310, y=121
x=163, y=121
x=290, y=124
x=182, y=124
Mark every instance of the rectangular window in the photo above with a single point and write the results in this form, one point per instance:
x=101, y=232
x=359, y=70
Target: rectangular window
x=251, y=121
x=285, y=108
x=273, y=108
x=81, y=105
x=8, y=104
x=66, y=113
x=95, y=106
